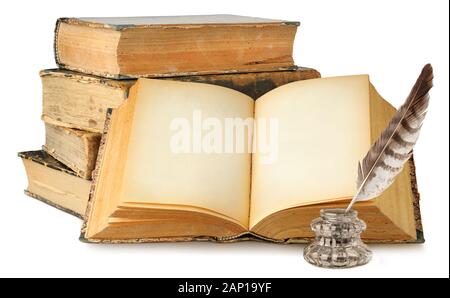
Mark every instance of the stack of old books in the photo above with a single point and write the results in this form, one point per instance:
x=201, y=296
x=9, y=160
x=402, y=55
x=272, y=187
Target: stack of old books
x=121, y=153
x=99, y=59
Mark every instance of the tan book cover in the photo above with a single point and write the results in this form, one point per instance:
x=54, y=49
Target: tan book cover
x=53, y=183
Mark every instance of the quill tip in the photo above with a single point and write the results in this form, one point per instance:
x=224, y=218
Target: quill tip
x=428, y=69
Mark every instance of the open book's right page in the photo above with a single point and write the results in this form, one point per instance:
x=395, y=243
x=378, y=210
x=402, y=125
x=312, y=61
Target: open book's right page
x=315, y=131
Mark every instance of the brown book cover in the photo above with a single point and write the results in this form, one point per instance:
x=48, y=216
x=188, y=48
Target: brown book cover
x=133, y=47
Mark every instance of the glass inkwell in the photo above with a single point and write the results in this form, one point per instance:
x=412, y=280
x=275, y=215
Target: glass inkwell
x=338, y=243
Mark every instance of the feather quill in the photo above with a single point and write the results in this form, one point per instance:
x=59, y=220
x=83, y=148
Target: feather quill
x=385, y=159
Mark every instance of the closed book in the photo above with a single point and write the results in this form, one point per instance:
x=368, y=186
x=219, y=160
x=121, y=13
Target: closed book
x=77, y=149
x=53, y=183
x=174, y=46
x=80, y=101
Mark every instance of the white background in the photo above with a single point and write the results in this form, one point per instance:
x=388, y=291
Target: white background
x=390, y=40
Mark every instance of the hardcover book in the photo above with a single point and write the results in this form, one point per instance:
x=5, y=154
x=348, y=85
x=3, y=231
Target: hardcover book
x=75, y=148
x=173, y=46
x=53, y=183
x=80, y=101
x=144, y=190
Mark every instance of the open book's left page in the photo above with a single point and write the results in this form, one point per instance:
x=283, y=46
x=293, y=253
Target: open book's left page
x=175, y=153
x=164, y=169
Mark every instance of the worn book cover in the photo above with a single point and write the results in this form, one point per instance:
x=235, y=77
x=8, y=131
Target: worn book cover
x=55, y=184
x=134, y=47
x=77, y=149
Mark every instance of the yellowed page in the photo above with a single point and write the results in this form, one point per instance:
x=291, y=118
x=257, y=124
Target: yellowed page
x=146, y=206
x=324, y=129
x=154, y=173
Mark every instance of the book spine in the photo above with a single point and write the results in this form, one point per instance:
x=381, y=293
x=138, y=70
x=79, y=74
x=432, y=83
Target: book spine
x=416, y=203
x=55, y=42
x=95, y=173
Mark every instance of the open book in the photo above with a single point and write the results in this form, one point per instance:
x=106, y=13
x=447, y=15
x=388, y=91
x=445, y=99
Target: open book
x=168, y=169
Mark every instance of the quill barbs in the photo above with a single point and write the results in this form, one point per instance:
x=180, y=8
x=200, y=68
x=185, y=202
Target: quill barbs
x=385, y=159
